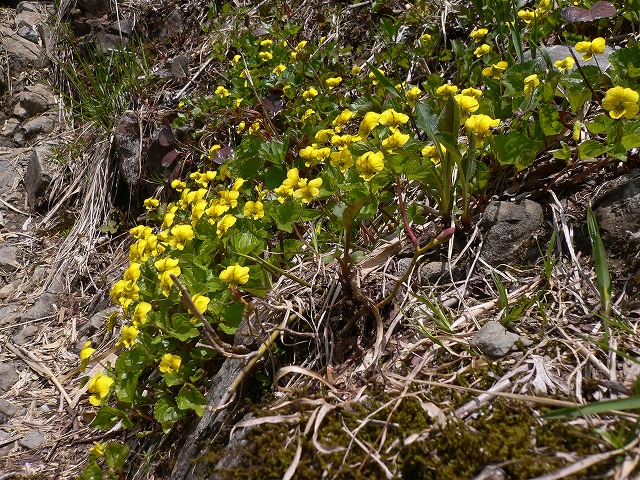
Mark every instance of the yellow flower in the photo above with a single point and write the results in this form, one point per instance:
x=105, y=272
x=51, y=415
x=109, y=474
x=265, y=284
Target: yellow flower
x=479, y=34
x=565, y=64
x=471, y=92
x=140, y=232
x=170, y=363
x=201, y=302
x=496, y=70
x=447, y=89
x=129, y=335
x=333, y=82
x=482, y=50
x=215, y=209
x=431, y=152
x=265, y=56
x=254, y=128
x=355, y=70
x=237, y=184
x=342, y=160
x=412, y=95
x=308, y=114
x=99, y=386
x=370, y=164
x=241, y=126
x=373, y=78
x=527, y=15
x=594, y=47
x=236, y=59
x=391, y=118
x=309, y=94
x=544, y=6
x=221, y=91
x=621, y=102
x=166, y=267
x=301, y=45
x=254, y=210
x=181, y=235
x=370, y=121
x=97, y=450
x=467, y=105
x=341, y=119
x=530, y=83
x=85, y=354
x=279, y=69
x=229, y=198
x=178, y=185
x=238, y=101
x=132, y=273
x=224, y=224
x=235, y=275
x=141, y=313
x=396, y=139
x=324, y=134
x=151, y=203
x=266, y=43
x=344, y=141
x=480, y=125
x=424, y=38
x=308, y=190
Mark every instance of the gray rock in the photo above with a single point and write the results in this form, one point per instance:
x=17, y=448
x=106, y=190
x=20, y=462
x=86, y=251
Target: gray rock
x=618, y=213
x=22, y=53
x=494, y=341
x=19, y=112
x=127, y=141
x=25, y=335
x=7, y=408
x=36, y=100
x=8, y=314
x=32, y=440
x=44, y=307
x=27, y=7
x=28, y=33
x=10, y=127
x=9, y=259
x=7, y=290
x=8, y=376
x=95, y=323
x=42, y=124
x=29, y=18
x=560, y=52
x=37, y=177
x=511, y=228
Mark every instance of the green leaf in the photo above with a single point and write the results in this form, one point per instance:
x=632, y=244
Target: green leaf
x=385, y=82
x=450, y=142
x=603, y=124
x=577, y=96
x=449, y=118
x=626, y=62
x=91, y=472
x=351, y=212
x=231, y=318
x=426, y=119
x=516, y=149
x=115, y=455
x=629, y=403
x=630, y=135
x=107, y=417
x=166, y=413
x=590, y=149
x=600, y=260
x=564, y=153
x=189, y=398
x=549, y=120
x=182, y=328
x=128, y=368
x=246, y=243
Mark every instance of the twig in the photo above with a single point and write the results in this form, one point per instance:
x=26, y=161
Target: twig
x=193, y=79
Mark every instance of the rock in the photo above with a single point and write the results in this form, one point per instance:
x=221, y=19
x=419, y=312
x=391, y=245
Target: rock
x=19, y=112
x=29, y=33
x=44, y=307
x=511, y=229
x=35, y=100
x=7, y=290
x=8, y=315
x=25, y=335
x=10, y=126
x=9, y=259
x=22, y=53
x=8, y=376
x=27, y=7
x=94, y=8
x=32, y=440
x=95, y=323
x=42, y=124
x=560, y=52
x=127, y=141
x=618, y=213
x=494, y=341
x=7, y=408
x=37, y=176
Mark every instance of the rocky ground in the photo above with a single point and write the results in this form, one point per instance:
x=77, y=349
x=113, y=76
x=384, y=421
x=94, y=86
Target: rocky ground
x=52, y=285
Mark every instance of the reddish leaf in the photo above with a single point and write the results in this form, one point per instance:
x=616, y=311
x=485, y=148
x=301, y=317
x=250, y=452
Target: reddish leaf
x=165, y=137
x=222, y=155
x=169, y=158
x=598, y=10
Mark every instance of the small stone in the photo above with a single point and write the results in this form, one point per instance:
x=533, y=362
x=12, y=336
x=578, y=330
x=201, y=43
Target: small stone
x=32, y=440
x=8, y=315
x=7, y=290
x=7, y=408
x=44, y=307
x=494, y=341
x=33, y=102
x=28, y=33
x=10, y=126
x=8, y=376
x=37, y=177
x=25, y=335
x=9, y=259
x=41, y=124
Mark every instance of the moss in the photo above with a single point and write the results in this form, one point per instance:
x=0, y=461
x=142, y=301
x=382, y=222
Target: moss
x=503, y=431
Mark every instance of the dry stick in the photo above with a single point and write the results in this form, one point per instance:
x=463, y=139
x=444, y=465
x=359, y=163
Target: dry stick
x=212, y=337
x=36, y=364
x=193, y=79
